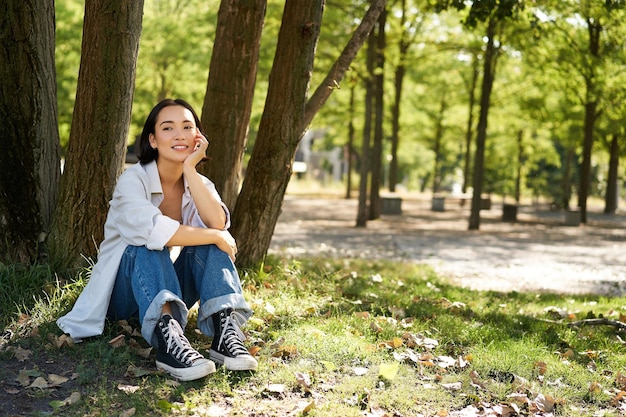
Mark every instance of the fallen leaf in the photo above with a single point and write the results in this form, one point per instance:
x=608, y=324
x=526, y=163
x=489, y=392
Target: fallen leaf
x=39, y=382
x=544, y=403
x=23, y=376
x=541, y=367
x=375, y=327
x=275, y=388
x=362, y=314
x=304, y=381
x=445, y=361
x=62, y=341
x=388, y=371
x=21, y=354
x=134, y=372
x=124, y=325
x=12, y=391
x=595, y=387
x=453, y=386
x=56, y=380
x=128, y=413
x=253, y=350
x=118, y=341
x=286, y=352
x=128, y=389
x=359, y=371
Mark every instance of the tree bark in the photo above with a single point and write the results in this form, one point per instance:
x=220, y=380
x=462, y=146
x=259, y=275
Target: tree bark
x=610, y=198
x=403, y=47
x=439, y=130
x=350, y=145
x=100, y=125
x=481, y=131
x=364, y=169
x=30, y=159
x=591, y=103
x=469, y=132
x=379, y=107
x=520, y=163
x=280, y=130
x=230, y=89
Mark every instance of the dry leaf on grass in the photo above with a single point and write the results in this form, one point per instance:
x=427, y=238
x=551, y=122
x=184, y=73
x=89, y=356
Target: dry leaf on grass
x=118, y=341
x=20, y=354
x=128, y=389
x=304, y=380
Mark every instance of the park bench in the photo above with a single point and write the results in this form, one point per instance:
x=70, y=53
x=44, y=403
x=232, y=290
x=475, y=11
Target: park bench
x=439, y=201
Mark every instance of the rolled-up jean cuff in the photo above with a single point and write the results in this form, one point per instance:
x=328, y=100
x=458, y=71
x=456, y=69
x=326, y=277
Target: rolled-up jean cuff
x=154, y=312
x=212, y=306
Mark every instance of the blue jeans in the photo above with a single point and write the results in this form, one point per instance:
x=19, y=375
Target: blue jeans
x=147, y=279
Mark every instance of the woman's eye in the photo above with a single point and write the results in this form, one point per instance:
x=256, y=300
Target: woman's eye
x=189, y=127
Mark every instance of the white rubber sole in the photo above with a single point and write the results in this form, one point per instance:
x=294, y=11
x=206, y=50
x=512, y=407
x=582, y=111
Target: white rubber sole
x=199, y=370
x=240, y=363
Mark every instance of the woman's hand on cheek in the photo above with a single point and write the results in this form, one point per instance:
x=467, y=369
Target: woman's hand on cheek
x=200, y=146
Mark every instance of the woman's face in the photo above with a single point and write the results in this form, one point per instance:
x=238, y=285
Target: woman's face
x=174, y=133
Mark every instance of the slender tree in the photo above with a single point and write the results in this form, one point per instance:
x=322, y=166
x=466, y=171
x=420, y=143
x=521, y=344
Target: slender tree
x=368, y=116
x=100, y=126
x=489, y=64
x=379, y=108
x=30, y=159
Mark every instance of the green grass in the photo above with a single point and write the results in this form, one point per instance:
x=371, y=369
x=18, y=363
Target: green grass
x=357, y=330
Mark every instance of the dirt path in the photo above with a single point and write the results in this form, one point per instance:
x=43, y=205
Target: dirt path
x=536, y=253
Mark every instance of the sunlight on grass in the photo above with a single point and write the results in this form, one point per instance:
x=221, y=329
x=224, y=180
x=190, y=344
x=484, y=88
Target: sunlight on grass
x=348, y=337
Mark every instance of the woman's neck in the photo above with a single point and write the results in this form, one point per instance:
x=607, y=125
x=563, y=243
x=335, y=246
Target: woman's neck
x=170, y=173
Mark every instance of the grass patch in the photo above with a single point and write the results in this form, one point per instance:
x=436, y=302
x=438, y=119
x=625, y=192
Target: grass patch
x=334, y=337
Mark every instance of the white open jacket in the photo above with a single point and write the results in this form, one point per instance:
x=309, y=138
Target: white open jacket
x=134, y=219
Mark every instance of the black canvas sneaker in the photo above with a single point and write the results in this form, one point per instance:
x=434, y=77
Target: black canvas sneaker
x=175, y=354
x=227, y=347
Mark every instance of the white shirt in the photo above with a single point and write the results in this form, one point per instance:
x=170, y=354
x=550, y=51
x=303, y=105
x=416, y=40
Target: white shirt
x=134, y=219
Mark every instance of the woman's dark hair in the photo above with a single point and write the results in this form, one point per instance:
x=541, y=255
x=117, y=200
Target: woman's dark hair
x=146, y=152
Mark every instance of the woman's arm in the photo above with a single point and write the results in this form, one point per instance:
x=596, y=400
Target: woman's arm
x=195, y=236
x=209, y=208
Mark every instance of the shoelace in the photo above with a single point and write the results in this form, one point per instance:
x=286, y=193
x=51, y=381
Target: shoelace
x=232, y=335
x=182, y=350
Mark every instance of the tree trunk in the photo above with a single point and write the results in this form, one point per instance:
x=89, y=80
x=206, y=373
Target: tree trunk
x=520, y=162
x=567, y=177
x=377, y=151
x=591, y=103
x=364, y=170
x=99, y=129
x=270, y=167
x=30, y=159
x=403, y=47
x=350, y=145
x=230, y=89
x=489, y=65
x=437, y=145
x=469, y=132
x=610, y=198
